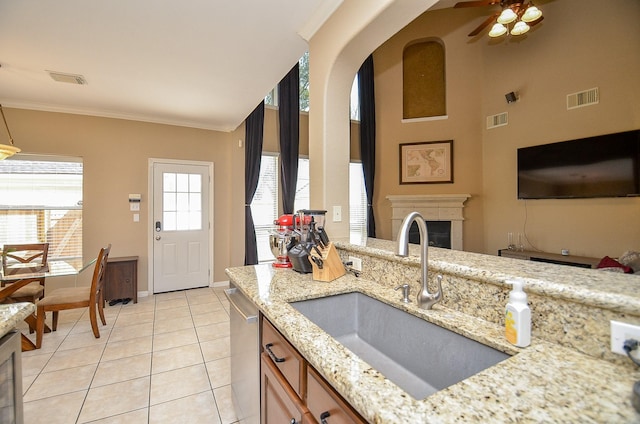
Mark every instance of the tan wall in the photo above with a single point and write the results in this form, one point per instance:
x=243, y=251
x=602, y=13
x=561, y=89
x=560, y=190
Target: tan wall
x=115, y=154
x=559, y=57
x=271, y=142
x=462, y=126
x=566, y=55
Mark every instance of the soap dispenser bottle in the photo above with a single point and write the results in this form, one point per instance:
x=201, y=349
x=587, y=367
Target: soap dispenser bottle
x=518, y=316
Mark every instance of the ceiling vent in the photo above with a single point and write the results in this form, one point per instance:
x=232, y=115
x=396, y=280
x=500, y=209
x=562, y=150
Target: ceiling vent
x=69, y=78
x=499, y=120
x=583, y=98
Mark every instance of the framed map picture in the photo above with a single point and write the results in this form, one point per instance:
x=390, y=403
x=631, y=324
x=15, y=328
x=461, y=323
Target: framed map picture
x=426, y=162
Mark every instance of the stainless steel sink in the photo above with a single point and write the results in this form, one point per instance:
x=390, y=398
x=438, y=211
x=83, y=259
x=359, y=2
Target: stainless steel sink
x=418, y=356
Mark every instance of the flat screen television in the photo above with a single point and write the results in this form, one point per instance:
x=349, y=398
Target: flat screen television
x=602, y=166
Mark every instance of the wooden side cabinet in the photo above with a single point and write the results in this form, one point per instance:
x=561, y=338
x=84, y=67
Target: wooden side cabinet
x=121, y=279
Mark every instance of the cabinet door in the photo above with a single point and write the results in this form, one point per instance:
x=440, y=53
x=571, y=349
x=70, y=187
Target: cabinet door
x=279, y=403
x=327, y=406
x=120, y=280
x=284, y=356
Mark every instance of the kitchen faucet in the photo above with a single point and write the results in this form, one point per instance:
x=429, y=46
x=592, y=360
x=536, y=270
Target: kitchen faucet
x=425, y=299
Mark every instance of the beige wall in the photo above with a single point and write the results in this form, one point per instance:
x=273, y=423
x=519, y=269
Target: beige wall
x=115, y=154
x=560, y=57
x=463, y=109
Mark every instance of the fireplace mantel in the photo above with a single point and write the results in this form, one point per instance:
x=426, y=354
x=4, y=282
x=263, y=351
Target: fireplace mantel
x=433, y=207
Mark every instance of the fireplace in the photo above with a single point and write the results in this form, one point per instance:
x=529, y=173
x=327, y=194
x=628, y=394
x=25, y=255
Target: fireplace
x=443, y=213
x=439, y=234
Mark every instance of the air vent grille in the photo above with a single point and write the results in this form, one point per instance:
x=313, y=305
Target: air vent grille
x=68, y=78
x=583, y=98
x=499, y=120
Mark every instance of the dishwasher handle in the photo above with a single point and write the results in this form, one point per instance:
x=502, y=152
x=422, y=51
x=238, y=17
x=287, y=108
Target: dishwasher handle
x=249, y=316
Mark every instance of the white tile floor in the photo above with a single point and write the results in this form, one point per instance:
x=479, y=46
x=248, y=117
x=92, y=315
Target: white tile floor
x=162, y=360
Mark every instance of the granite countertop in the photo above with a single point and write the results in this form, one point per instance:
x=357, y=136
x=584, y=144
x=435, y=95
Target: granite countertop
x=12, y=314
x=541, y=383
x=611, y=290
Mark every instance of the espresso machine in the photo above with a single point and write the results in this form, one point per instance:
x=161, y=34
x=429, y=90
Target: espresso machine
x=280, y=240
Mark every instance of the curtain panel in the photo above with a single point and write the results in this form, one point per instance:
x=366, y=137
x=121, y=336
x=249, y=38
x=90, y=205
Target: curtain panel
x=289, y=120
x=368, y=136
x=254, y=134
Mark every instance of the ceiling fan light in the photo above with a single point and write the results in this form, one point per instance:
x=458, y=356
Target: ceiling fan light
x=497, y=30
x=7, y=150
x=531, y=14
x=520, y=28
x=507, y=16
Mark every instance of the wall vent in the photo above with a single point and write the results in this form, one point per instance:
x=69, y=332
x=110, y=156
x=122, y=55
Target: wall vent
x=583, y=98
x=69, y=78
x=499, y=120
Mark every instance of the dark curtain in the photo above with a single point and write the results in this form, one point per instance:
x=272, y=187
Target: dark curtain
x=368, y=136
x=289, y=119
x=254, y=131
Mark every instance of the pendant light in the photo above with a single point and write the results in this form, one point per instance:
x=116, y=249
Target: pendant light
x=7, y=150
x=497, y=30
x=531, y=14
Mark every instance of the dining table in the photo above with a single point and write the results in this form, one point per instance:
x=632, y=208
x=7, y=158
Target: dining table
x=19, y=275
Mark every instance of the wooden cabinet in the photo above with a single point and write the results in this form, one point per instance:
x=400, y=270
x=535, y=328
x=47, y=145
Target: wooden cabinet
x=121, y=279
x=292, y=391
x=279, y=403
x=325, y=404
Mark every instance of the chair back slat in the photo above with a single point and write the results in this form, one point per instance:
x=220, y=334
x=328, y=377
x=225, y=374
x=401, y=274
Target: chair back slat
x=32, y=253
x=98, y=274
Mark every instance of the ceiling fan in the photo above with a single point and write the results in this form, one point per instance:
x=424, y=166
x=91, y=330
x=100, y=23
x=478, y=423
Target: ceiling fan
x=523, y=14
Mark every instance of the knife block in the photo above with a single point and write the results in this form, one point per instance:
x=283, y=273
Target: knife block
x=332, y=266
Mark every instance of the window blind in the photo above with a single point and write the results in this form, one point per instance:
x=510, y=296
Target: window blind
x=302, y=185
x=264, y=206
x=357, y=204
x=41, y=202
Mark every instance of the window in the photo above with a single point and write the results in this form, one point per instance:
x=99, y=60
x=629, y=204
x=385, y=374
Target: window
x=41, y=202
x=355, y=100
x=357, y=204
x=302, y=185
x=304, y=82
x=264, y=206
x=271, y=98
x=423, y=79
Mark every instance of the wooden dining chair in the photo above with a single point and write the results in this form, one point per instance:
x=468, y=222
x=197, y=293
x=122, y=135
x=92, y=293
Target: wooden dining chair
x=26, y=258
x=91, y=297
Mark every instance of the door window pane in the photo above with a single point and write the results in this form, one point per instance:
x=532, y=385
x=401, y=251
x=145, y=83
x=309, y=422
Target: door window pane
x=182, y=201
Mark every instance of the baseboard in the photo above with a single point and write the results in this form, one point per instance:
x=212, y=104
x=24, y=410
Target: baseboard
x=143, y=293
x=220, y=284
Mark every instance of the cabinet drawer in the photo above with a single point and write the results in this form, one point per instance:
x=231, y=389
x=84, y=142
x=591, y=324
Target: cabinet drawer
x=324, y=403
x=284, y=357
x=279, y=403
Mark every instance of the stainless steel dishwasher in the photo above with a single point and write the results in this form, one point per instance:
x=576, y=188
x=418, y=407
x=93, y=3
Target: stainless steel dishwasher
x=245, y=362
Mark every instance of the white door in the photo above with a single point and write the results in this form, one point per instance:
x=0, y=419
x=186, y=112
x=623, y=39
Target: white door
x=181, y=227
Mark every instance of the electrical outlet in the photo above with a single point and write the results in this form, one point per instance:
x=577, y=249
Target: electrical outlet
x=337, y=214
x=356, y=263
x=621, y=331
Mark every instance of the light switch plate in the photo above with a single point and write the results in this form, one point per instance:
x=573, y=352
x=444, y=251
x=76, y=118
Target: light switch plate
x=621, y=331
